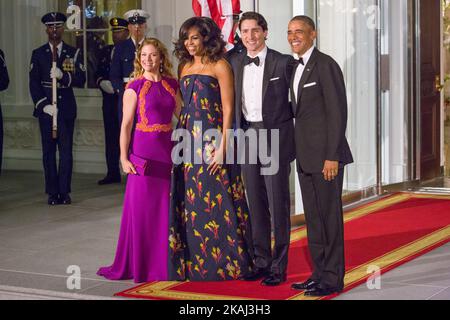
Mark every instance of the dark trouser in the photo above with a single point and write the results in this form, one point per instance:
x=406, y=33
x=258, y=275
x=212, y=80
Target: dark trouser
x=112, y=133
x=322, y=201
x=120, y=109
x=1, y=139
x=57, y=181
x=269, y=198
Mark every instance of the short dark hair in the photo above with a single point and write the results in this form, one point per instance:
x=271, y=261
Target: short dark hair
x=212, y=39
x=306, y=20
x=251, y=15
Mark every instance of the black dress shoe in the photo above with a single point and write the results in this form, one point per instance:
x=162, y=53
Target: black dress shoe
x=109, y=180
x=274, y=280
x=307, y=285
x=65, y=199
x=320, y=291
x=256, y=274
x=53, y=200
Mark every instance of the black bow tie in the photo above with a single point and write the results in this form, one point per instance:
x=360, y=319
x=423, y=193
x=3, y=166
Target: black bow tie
x=300, y=61
x=249, y=60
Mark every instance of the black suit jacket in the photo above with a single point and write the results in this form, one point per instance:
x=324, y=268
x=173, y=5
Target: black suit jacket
x=320, y=114
x=276, y=110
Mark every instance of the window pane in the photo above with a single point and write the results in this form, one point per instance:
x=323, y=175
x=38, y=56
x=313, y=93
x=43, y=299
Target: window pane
x=95, y=15
x=74, y=39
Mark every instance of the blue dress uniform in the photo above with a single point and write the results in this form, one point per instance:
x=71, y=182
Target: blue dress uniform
x=110, y=119
x=123, y=58
x=110, y=104
x=122, y=67
x=70, y=61
x=4, y=82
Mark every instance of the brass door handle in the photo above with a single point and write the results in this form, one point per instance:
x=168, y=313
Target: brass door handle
x=438, y=84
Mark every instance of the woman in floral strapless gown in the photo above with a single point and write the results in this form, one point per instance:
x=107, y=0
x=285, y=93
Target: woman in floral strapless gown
x=209, y=218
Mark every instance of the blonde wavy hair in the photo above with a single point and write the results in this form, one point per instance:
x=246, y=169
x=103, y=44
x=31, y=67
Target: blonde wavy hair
x=167, y=65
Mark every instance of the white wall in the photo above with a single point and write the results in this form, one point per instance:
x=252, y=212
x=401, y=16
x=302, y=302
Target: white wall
x=277, y=14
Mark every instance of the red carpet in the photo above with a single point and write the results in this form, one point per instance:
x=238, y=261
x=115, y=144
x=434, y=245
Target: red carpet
x=385, y=233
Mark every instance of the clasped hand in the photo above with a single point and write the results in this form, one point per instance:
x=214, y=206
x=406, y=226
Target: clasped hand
x=106, y=86
x=56, y=72
x=50, y=109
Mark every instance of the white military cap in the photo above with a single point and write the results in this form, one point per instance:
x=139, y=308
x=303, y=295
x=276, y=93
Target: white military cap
x=136, y=16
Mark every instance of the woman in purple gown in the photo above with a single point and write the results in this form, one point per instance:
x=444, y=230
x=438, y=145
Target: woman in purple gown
x=150, y=101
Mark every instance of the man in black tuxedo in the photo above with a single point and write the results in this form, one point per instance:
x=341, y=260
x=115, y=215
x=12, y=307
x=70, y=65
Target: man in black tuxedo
x=262, y=79
x=319, y=102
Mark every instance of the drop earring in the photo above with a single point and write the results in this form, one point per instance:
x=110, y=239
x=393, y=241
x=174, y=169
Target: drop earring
x=161, y=69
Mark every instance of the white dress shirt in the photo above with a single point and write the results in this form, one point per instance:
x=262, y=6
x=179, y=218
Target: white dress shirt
x=140, y=42
x=59, y=47
x=252, y=86
x=300, y=69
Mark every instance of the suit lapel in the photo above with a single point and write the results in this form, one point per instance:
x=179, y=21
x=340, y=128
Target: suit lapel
x=293, y=101
x=305, y=76
x=268, y=71
x=62, y=57
x=239, y=81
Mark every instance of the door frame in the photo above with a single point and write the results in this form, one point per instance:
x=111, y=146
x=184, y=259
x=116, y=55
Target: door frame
x=415, y=130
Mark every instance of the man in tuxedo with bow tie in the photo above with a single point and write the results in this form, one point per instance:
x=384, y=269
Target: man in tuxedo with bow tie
x=319, y=103
x=262, y=77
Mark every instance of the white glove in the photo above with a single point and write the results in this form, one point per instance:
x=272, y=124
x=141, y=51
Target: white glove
x=106, y=86
x=56, y=73
x=50, y=109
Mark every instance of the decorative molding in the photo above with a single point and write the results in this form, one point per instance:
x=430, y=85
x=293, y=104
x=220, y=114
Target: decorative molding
x=89, y=134
x=21, y=134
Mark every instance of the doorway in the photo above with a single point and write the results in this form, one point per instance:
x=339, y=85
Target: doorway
x=430, y=90
x=446, y=62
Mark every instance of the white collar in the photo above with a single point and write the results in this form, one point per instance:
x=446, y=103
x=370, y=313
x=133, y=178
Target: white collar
x=262, y=55
x=306, y=56
x=59, y=47
x=140, y=42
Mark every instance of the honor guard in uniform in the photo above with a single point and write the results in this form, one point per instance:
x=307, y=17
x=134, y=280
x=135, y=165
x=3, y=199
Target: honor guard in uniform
x=120, y=33
x=55, y=104
x=124, y=53
x=4, y=82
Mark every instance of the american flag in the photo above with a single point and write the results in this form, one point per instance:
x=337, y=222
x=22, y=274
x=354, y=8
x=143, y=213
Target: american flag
x=221, y=11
